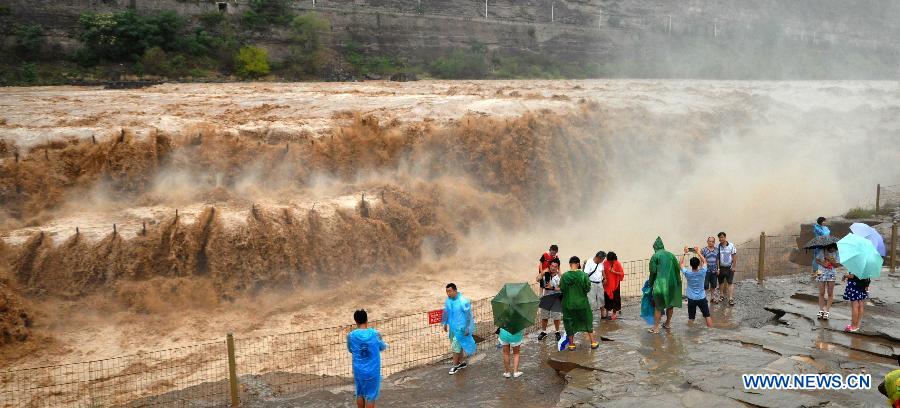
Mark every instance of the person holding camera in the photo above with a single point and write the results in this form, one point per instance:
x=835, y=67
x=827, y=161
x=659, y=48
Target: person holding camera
x=549, y=281
x=695, y=276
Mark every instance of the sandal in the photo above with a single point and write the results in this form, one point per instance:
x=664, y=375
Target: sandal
x=825, y=316
x=820, y=314
x=571, y=347
x=667, y=326
x=650, y=330
x=730, y=302
x=595, y=345
x=850, y=329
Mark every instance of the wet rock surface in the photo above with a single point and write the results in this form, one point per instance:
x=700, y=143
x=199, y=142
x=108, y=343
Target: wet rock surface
x=771, y=329
x=479, y=384
x=691, y=365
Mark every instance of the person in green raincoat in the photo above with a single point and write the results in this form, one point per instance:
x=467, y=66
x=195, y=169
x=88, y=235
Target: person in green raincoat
x=576, y=309
x=665, y=282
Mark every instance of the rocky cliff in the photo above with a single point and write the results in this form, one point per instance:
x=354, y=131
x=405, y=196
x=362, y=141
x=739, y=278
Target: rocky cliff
x=568, y=30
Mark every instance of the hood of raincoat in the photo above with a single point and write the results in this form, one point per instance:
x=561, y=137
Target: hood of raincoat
x=363, y=335
x=658, y=245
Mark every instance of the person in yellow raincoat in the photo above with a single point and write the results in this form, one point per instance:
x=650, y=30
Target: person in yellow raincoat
x=665, y=281
x=891, y=388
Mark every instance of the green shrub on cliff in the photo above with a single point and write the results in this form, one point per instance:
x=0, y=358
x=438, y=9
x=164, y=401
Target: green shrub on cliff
x=310, y=36
x=264, y=13
x=157, y=62
x=251, y=62
x=29, y=41
x=461, y=64
x=375, y=64
x=125, y=36
x=859, y=212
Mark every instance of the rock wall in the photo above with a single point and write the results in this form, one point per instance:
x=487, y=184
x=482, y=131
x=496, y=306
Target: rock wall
x=576, y=30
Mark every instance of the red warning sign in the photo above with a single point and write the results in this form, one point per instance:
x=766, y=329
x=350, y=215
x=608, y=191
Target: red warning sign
x=435, y=316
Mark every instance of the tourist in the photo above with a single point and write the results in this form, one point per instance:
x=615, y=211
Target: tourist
x=577, y=315
x=711, y=254
x=613, y=274
x=695, y=276
x=819, y=230
x=825, y=276
x=665, y=283
x=547, y=257
x=726, y=263
x=365, y=345
x=594, y=269
x=856, y=291
x=512, y=343
x=549, y=282
x=460, y=324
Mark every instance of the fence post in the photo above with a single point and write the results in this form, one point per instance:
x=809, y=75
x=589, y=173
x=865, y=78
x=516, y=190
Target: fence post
x=232, y=371
x=761, y=272
x=893, y=262
x=877, y=199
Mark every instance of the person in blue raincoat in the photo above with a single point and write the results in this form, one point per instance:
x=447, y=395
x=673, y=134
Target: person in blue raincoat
x=819, y=229
x=365, y=345
x=460, y=325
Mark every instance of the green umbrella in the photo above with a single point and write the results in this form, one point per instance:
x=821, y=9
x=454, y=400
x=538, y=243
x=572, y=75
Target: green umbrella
x=514, y=307
x=860, y=257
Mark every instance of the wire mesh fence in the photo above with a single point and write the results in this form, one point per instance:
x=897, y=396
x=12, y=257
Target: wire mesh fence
x=293, y=363
x=198, y=371
x=288, y=364
x=781, y=257
x=888, y=198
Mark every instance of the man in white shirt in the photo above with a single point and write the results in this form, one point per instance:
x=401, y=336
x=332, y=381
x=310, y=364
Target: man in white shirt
x=594, y=270
x=727, y=264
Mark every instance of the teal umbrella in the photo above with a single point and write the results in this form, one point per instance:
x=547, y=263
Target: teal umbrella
x=514, y=307
x=860, y=257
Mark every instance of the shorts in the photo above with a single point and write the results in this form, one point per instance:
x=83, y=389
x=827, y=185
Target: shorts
x=368, y=389
x=613, y=303
x=511, y=344
x=712, y=280
x=726, y=273
x=455, y=346
x=545, y=314
x=703, y=304
x=827, y=275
